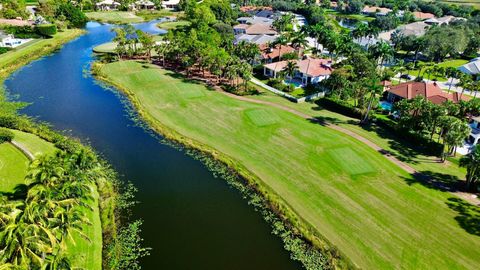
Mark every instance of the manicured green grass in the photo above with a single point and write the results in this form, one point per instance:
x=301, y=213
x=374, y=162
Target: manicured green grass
x=449, y=63
x=149, y=15
x=373, y=212
x=172, y=25
x=109, y=47
x=13, y=167
x=33, y=143
x=475, y=3
x=120, y=17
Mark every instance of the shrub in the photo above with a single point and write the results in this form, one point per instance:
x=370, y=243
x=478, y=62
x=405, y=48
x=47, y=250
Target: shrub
x=47, y=30
x=20, y=31
x=277, y=84
x=6, y=135
x=4, y=50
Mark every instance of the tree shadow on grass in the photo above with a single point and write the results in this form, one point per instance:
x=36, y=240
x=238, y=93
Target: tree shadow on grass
x=436, y=180
x=19, y=192
x=468, y=215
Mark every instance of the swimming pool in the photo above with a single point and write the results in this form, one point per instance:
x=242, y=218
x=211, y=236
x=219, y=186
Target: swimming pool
x=297, y=83
x=386, y=105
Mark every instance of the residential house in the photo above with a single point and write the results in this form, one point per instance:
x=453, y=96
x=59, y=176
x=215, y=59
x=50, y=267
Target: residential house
x=443, y=20
x=310, y=70
x=254, y=20
x=420, y=16
x=254, y=29
x=145, y=4
x=170, y=4
x=431, y=91
x=256, y=39
x=107, y=5
x=471, y=68
x=269, y=54
x=375, y=11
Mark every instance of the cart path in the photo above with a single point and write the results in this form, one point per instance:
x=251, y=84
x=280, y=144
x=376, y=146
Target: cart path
x=406, y=167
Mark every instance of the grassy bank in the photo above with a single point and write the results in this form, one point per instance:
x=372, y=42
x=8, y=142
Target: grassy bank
x=172, y=25
x=337, y=191
x=12, y=60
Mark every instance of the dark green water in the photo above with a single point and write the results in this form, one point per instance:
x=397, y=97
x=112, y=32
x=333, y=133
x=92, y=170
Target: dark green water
x=191, y=219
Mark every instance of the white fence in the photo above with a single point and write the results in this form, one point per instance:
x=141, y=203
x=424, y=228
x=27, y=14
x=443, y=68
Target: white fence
x=285, y=95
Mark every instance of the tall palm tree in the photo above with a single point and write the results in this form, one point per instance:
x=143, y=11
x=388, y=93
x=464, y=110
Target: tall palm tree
x=471, y=161
x=280, y=41
x=374, y=89
x=451, y=73
x=383, y=52
x=289, y=70
x=299, y=41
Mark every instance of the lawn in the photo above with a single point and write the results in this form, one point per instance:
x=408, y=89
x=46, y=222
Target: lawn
x=172, y=25
x=120, y=17
x=475, y=3
x=449, y=63
x=13, y=168
x=354, y=197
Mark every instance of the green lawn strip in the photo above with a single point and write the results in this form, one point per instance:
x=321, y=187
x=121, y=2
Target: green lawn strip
x=17, y=58
x=109, y=47
x=449, y=63
x=149, y=15
x=33, y=143
x=369, y=211
x=172, y=25
x=87, y=253
x=13, y=167
x=121, y=17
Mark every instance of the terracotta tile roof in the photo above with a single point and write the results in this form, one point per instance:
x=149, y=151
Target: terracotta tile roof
x=15, y=22
x=272, y=53
x=373, y=9
x=422, y=15
x=313, y=67
x=431, y=91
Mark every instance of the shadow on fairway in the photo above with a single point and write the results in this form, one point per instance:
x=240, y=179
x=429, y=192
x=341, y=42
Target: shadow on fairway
x=435, y=180
x=468, y=215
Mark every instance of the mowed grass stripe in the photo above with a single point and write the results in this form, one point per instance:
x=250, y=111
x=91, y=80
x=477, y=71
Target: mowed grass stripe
x=377, y=219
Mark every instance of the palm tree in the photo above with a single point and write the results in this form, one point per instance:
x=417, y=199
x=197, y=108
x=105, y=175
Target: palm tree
x=281, y=40
x=374, y=88
x=289, y=70
x=471, y=161
x=382, y=51
x=299, y=41
x=451, y=73
x=465, y=81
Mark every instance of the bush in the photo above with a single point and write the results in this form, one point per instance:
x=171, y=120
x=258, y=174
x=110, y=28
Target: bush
x=4, y=50
x=277, y=84
x=47, y=30
x=6, y=135
x=20, y=31
x=340, y=107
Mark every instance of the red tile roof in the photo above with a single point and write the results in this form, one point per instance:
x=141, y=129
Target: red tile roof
x=256, y=29
x=272, y=53
x=422, y=15
x=431, y=91
x=312, y=67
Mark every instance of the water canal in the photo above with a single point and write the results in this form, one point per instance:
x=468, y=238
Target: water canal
x=192, y=220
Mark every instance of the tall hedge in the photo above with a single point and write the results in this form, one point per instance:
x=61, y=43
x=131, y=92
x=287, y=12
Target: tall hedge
x=6, y=135
x=46, y=30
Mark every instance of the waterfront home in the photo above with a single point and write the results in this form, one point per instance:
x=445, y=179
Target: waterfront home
x=107, y=5
x=254, y=29
x=420, y=16
x=170, y=4
x=375, y=11
x=472, y=67
x=309, y=70
x=144, y=4
x=431, y=91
